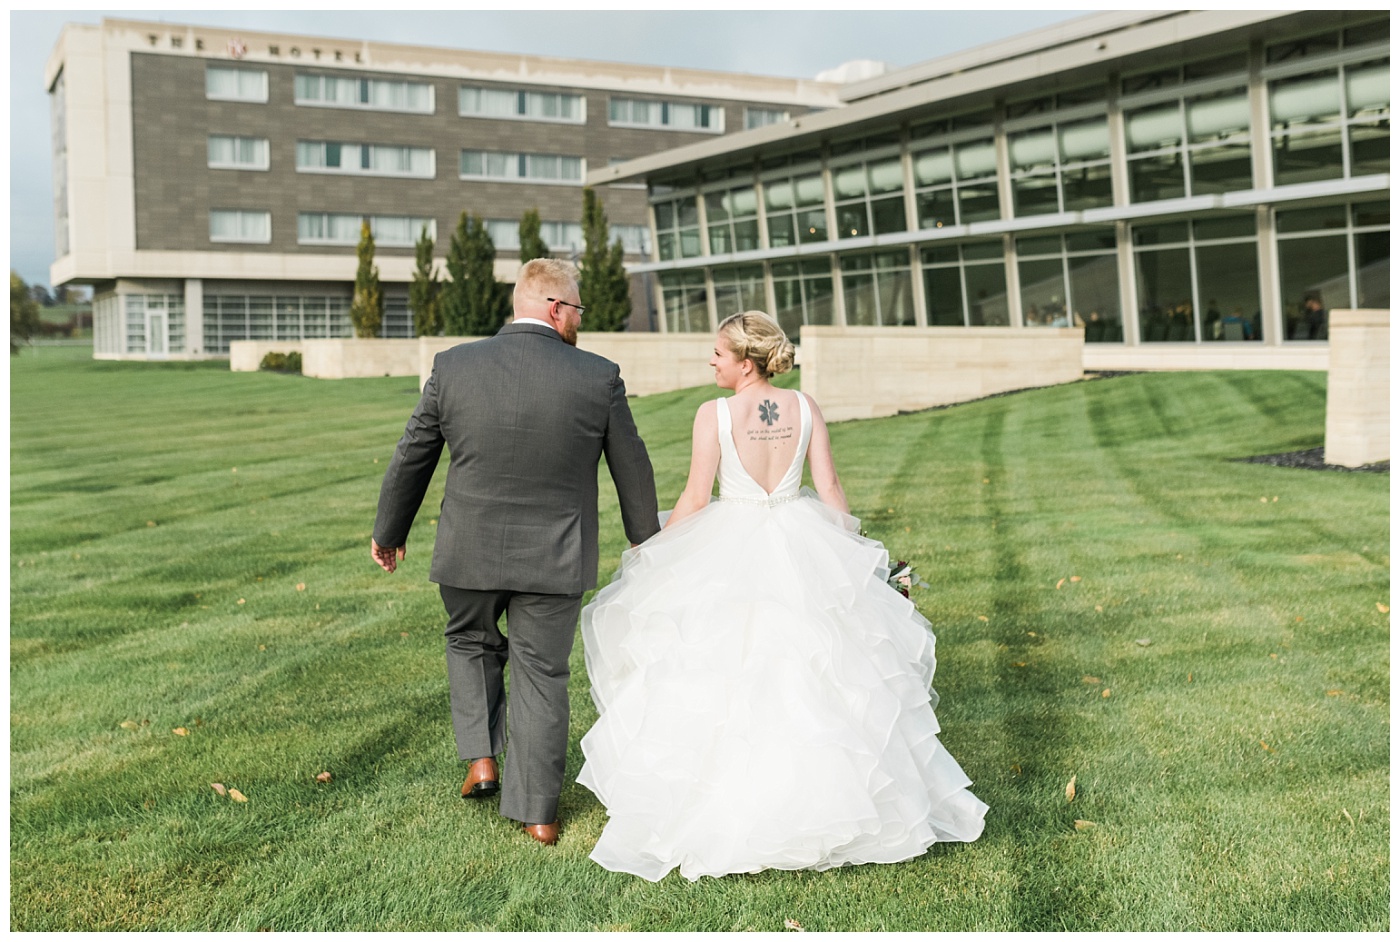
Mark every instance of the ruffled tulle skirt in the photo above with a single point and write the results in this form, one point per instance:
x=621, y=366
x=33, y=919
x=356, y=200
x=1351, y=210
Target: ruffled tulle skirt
x=764, y=702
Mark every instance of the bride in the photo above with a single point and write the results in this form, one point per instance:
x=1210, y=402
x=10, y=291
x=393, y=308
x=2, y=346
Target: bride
x=763, y=694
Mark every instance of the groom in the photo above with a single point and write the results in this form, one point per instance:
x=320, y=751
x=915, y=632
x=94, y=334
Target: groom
x=525, y=416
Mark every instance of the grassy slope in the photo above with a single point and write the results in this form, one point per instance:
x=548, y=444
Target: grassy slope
x=152, y=582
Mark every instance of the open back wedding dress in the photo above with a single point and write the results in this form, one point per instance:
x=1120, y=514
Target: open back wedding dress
x=763, y=695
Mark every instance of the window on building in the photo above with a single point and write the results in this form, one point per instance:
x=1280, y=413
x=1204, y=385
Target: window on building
x=228, y=84
x=155, y=324
x=1189, y=146
x=238, y=153
x=344, y=229
x=1331, y=123
x=672, y=115
x=240, y=225
x=1071, y=281
x=762, y=117
x=1331, y=257
x=738, y=288
x=564, y=237
x=1198, y=281
x=795, y=206
x=965, y=285
x=380, y=160
x=869, y=197
x=533, y=168
x=804, y=292
x=334, y=91
x=1061, y=167
x=677, y=228
x=732, y=219
x=481, y=102
x=636, y=240
x=878, y=289
x=685, y=302
x=263, y=317
x=956, y=184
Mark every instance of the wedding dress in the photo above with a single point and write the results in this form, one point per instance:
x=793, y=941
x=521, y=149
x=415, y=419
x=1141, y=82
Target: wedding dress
x=763, y=694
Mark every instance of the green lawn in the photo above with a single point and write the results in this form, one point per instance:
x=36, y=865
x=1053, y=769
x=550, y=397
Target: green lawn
x=1200, y=644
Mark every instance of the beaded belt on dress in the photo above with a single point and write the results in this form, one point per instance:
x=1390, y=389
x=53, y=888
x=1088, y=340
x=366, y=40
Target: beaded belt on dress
x=761, y=501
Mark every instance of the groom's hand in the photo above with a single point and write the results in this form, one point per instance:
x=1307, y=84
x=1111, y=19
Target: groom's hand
x=388, y=557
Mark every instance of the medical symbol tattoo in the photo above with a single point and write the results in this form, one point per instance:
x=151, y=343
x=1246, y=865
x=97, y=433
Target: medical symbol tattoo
x=768, y=412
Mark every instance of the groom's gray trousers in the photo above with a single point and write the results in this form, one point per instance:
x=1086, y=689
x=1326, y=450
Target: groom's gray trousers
x=541, y=635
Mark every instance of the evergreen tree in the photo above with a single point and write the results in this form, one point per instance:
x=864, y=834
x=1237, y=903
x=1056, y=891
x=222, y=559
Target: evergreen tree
x=452, y=303
x=604, y=287
x=531, y=245
x=425, y=290
x=367, y=304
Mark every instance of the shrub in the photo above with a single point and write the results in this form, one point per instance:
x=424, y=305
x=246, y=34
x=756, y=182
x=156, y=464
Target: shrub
x=281, y=362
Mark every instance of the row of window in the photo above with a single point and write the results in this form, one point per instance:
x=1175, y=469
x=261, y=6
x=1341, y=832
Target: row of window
x=225, y=83
x=255, y=227
x=1195, y=281
x=396, y=160
x=1188, y=141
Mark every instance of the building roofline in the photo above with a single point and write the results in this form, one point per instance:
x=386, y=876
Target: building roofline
x=1134, y=34
x=489, y=66
x=1036, y=41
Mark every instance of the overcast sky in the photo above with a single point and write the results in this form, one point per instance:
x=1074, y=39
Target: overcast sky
x=793, y=43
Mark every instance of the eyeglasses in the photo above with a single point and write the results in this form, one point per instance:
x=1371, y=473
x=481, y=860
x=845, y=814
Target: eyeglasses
x=578, y=307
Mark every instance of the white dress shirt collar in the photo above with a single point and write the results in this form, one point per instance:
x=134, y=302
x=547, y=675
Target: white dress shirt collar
x=535, y=320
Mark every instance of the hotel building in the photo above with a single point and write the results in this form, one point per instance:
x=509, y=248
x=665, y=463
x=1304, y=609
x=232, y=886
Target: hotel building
x=1181, y=184
x=209, y=184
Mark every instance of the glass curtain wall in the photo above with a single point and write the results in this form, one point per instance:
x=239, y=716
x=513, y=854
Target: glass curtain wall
x=795, y=206
x=1198, y=281
x=879, y=290
x=1331, y=257
x=965, y=285
x=805, y=294
x=732, y=219
x=1071, y=281
x=685, y=302
x=737, y=289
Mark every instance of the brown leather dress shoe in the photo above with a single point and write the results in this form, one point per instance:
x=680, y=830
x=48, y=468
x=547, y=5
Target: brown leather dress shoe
x=483, y=780
x=547, y=834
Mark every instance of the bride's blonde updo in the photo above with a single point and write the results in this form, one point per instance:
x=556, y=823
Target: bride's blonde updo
x=753, y=335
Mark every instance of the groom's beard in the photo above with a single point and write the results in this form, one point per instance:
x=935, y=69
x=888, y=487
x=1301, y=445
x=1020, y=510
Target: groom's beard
x=569, y=331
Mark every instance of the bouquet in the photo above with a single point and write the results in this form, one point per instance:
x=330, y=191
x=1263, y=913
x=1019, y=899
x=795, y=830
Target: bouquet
x=903, y=578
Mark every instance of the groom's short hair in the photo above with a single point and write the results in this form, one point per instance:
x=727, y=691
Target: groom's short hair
x=542, y=278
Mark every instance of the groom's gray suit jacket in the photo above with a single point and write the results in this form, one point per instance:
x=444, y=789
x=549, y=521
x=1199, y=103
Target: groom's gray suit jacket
x=525, y=417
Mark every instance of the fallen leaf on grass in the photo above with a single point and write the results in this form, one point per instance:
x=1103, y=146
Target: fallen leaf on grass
x=128, y=724
x=180, y=731
x=1106, y=691
x=1016, y=768
x=241, y=601
x=1382, y=608
x=1334, y=693
x=1349, y=817
x=150, y=523
x=1073, y=578
x=1098, y=608
x=794, y=925
x=981, y=617
x=236, y=795
x=1018, y=663
x=403, y=634
x=219, y=788
x=1060, y=583
x=1082, y=825
x=1090, y=679
x=1069, y=789
x=301, y=586
x=1144, y=642
x=1188, y=677
x=1263, y=500
x=1267, y=747
x=1031, y=633
x=324, y=777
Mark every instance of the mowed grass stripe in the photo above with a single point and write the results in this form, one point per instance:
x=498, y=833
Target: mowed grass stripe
x=1215, y=772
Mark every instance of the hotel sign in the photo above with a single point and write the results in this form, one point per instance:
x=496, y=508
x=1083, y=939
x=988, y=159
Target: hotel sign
x=238, y=49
